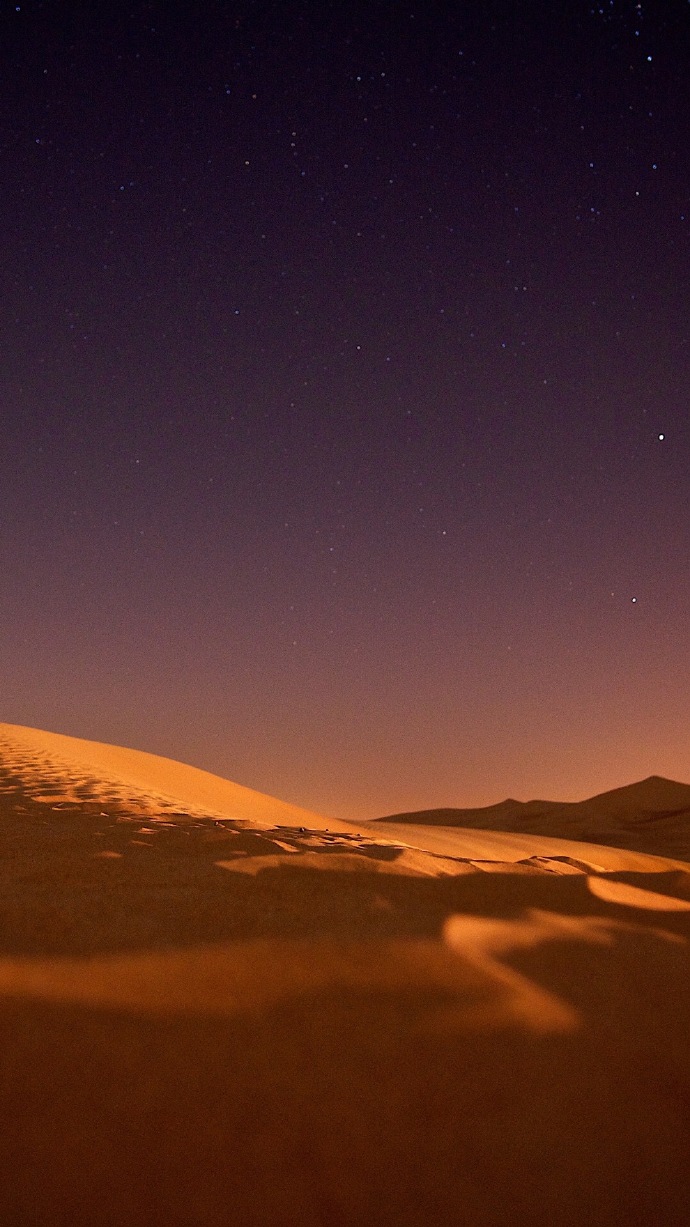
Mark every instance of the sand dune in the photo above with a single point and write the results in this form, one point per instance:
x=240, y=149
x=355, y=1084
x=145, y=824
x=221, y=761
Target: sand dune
x=217, y=1008
x=74, y=769
x=512, y=847
x=651, y=816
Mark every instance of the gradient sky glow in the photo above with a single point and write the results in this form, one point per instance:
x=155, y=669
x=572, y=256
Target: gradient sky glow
x=346, y=392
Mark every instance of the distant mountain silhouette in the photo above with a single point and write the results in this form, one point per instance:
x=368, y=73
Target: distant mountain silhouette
x=652, y=815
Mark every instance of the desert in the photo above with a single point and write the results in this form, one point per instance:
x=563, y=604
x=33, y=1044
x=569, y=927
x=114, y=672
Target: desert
x=220, y=1009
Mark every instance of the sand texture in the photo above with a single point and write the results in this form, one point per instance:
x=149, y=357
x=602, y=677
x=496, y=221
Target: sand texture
x=220, y=1009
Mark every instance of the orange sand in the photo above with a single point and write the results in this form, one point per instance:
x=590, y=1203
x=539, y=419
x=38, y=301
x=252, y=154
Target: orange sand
x=200, y=1026
x=651, y=816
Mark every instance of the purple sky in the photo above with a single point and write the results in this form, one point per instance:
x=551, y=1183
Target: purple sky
x=345, y=392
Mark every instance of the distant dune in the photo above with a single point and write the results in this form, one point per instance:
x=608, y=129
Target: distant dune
x=652, y=816
x=218, y=1008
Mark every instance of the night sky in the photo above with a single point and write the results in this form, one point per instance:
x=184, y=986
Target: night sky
x=346, y=391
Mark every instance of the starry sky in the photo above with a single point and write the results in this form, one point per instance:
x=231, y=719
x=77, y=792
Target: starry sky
x=345, y=391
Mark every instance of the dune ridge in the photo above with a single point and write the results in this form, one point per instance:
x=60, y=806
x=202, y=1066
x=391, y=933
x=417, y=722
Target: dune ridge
x=650, y=816
x=154, y=781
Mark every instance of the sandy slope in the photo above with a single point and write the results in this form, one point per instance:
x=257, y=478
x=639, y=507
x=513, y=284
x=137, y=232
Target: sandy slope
x=213, y=1018
x=512, y=847
x=54, y=758
x=651, y=816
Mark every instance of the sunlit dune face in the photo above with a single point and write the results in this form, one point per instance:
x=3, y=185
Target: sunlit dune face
x=525, y=847
x=612, y=891
x=65, y=770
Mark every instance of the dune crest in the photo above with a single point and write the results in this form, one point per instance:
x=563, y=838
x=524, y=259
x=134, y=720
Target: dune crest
x=69, y=765
x=651, y=816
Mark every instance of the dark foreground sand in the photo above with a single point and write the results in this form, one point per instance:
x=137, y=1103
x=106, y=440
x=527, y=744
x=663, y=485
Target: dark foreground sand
x=214, y=1011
